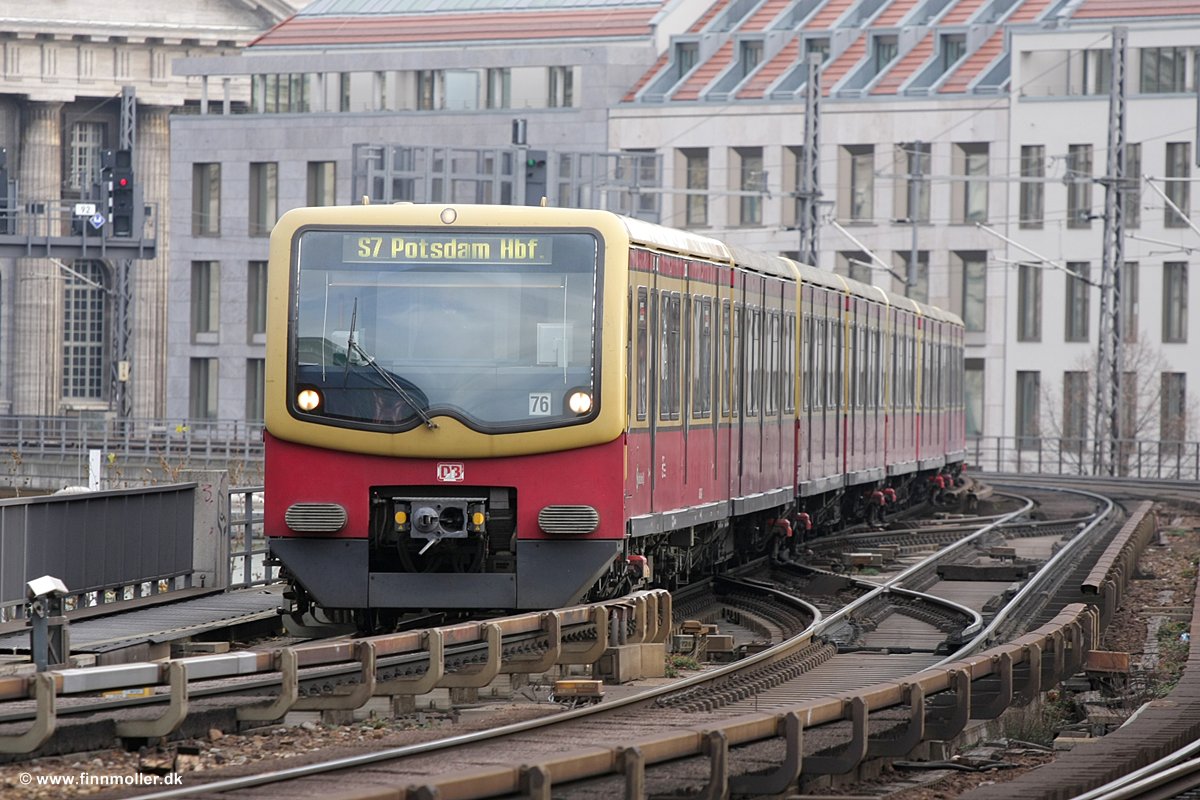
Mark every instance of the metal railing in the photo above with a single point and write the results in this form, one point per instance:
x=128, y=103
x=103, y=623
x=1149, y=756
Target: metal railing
x=247, y=540
x=1044, y=455
x=130, y=436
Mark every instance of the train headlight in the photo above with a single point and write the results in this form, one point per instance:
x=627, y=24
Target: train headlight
x=580, y=402
x=308, y=400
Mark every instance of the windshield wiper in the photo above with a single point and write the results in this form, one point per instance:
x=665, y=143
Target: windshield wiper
x=388, y=378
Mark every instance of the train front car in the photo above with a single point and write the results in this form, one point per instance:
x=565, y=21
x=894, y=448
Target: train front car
x=445, y=401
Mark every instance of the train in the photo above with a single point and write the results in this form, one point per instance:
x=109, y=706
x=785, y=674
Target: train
x=476, y=408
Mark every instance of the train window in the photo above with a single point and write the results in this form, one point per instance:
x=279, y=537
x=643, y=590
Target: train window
x=838, y=365
x=752, y=362
x=772, y=377
x=687, y=344
x=668, y=381
x=736, y=350
x=724, y=373
x=702, y=357
x=877, y=373
x=789, y=365
x=821, y=395
x=806, y=362
x=642, y=323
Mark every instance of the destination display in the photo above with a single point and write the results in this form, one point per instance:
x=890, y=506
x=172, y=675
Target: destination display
x=425, y=248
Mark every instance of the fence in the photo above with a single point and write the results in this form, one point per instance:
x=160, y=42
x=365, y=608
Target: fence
x=1060, y=456
x=247, y=541
x=96, y=543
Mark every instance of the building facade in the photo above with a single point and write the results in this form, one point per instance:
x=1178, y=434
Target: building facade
x=962, y=159
x=61, y=100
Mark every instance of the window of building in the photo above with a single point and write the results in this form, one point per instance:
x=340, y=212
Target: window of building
x=883, y=52
x=920, y=290
x=686, y=54
x=499, y=87
x=460, y=89
x=1076, y=317
x=1033, y=187
x=968, y=287
x=84, y=331
x=854, y=264
x=1133, y=185
x=255, y=389
x=1029, y=303
x=749, y=55
x=280, y=93
x=202, y=388
x=1175, y=302
x=793, y=157
x=1097, y=71
x=427, y=81
x=695, y=169
x=1177, y=185
x=256, y=298
x=206, y=297
x=264, y=197
x=343, y=91
x=973, y=387
x=562, y=87
x=915, y=160
x=819, y=47
x=206, y=199
x=750, y=179
x=1029, y=427
x=971, y=190
x=1163, y=69
x=858, y=163
x=1173, y=407
x=954, y=47
x=87, y=140
x=322, y=183
x=1079, y=186
x=1075, y=409
x=1129, y=301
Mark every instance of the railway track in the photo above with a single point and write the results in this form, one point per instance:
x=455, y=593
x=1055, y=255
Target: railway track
x=614, y=746
x=884, y=616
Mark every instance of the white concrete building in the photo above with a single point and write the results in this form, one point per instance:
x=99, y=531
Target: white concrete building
x=969, y=96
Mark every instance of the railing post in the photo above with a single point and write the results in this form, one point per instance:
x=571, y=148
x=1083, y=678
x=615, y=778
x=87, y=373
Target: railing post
x=210, y=559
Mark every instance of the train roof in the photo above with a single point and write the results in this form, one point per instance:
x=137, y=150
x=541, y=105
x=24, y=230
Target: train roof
x=675, y=240
x=763, y=262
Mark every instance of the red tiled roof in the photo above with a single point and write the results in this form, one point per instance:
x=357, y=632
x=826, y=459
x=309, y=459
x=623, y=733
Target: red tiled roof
x=905, y=67
x=837, y=70
x=975, y=63
x=768, y=72
x=1029, y=10
x=961, y=12
x=321, y=31
x=707, y=16
x=892, y=15
x=705, y=73
x=650, y=73
x=829, y=14
x=1102, y=9
x=766, y=12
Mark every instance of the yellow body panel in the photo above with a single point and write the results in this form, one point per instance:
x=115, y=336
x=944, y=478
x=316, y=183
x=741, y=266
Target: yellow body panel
x=452, y=439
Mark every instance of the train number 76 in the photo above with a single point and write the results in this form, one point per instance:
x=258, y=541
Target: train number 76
x=539, y=404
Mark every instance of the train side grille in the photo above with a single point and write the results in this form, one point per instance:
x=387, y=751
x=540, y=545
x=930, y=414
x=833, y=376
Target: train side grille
x=575, y=520
x=315, y=517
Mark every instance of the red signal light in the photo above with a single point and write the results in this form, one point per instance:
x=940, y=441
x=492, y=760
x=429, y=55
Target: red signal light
x=123, y=182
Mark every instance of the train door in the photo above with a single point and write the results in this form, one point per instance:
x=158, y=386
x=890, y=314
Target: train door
x=701, y=414
x=737, y=421
x=804, y=412
x=874, y=386
x=726, y=375
x=639, y=443
x=750, y=466
x=669, y=437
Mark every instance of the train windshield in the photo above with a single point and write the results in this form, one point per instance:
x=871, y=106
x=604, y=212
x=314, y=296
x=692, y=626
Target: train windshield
x=496, y=328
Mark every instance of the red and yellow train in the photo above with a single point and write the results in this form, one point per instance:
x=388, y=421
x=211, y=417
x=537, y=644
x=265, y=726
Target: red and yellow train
x=493, y=407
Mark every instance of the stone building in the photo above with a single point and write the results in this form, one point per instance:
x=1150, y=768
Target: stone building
x=64, y=68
